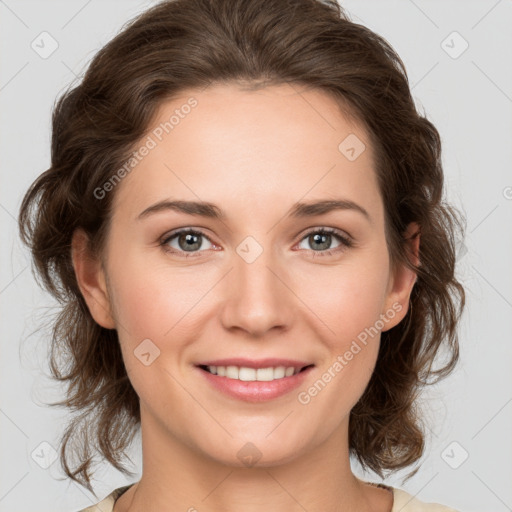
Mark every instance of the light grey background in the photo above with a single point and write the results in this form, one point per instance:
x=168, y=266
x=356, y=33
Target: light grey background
x=467, y=96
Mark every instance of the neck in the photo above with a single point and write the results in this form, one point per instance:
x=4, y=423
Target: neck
x=176, y=477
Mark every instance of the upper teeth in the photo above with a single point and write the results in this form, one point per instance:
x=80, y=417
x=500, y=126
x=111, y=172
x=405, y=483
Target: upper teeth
x=252, y=374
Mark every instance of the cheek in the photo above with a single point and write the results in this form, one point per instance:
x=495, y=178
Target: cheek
x=150, y=300
x=152, y=304
x=348, y=299
x=349, y=302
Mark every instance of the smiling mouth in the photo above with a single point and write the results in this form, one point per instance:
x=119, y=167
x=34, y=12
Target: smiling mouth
x=253, y=375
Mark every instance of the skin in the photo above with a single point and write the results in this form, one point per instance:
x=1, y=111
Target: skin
x=254, y=154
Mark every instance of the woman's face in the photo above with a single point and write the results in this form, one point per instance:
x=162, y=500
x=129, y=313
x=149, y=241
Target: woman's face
x=260, y=281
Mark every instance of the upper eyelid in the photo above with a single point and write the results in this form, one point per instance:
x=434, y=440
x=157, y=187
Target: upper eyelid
x=327, y=229
x=171, y=234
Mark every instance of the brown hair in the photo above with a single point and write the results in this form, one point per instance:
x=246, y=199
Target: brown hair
x=183, y=44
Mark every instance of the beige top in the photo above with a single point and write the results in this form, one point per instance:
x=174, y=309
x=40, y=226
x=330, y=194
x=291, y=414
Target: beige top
x=402, y=502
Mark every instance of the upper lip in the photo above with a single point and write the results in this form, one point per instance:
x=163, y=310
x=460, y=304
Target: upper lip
x=256, y=363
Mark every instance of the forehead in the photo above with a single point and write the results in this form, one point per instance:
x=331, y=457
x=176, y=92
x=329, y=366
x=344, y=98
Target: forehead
x=262, y=147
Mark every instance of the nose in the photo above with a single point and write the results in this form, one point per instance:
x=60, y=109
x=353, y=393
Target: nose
x=258, y=296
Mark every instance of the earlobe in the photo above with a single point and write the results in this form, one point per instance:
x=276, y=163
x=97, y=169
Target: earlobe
x=403, y=280
x=91, y=280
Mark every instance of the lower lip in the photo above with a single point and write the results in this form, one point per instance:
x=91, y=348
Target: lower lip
x=255, y=391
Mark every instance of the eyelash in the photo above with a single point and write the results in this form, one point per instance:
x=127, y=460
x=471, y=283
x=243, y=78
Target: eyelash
x=346, y=242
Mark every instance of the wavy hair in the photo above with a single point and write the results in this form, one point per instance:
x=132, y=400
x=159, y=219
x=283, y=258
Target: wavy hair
x=96, y=124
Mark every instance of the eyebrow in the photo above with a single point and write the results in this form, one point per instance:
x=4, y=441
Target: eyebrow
x=298, y=210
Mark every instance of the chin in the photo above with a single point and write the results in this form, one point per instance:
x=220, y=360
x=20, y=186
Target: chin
x=259, y=453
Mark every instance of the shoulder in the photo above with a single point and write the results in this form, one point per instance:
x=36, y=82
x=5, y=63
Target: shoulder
x=107, y=503
x=405, y=502
x=402, y=502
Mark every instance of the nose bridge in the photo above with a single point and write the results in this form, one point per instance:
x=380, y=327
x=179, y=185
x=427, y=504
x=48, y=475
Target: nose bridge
x=257, y=299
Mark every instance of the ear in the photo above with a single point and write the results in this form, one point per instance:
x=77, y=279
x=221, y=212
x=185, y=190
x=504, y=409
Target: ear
x=403, y=279
x=91, y=280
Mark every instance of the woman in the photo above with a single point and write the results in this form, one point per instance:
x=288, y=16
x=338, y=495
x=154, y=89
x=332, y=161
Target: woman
x=244, y=221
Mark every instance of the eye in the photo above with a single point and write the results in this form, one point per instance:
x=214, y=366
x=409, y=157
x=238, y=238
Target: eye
x=322, y=239
x=187, y=241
